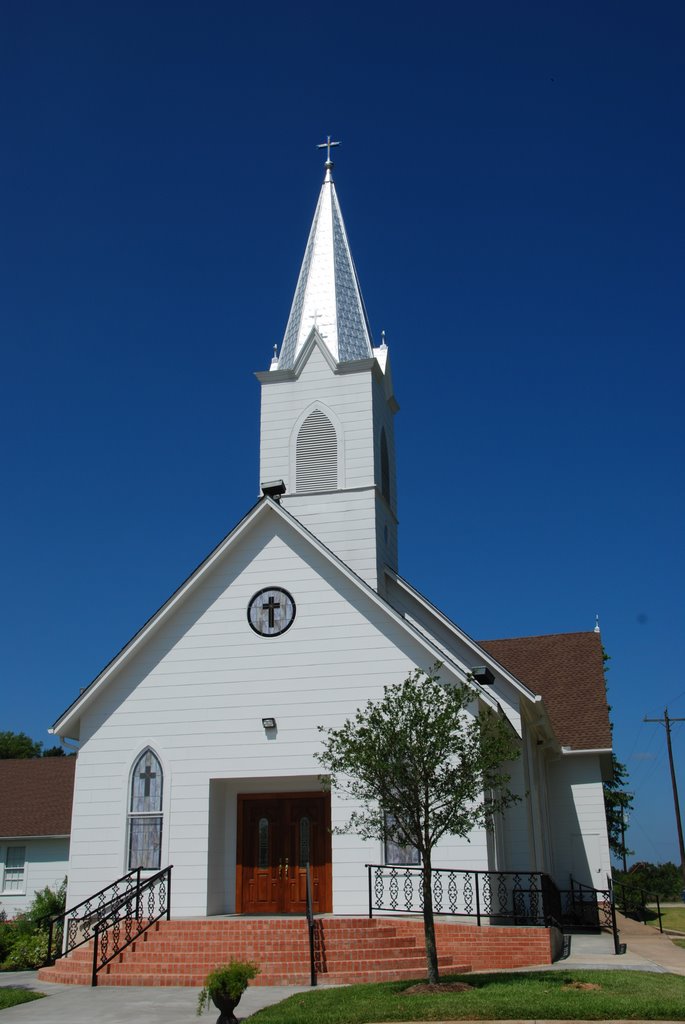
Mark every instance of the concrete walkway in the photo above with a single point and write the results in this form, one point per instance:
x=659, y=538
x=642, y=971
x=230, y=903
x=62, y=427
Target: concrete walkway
x=113, y=1004
x=648, y=950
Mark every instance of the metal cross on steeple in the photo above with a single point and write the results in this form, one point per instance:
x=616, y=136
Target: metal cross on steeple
x=327, y=146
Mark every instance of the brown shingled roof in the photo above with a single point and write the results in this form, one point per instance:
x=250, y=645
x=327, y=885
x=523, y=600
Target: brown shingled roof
x=567, y=670
x=36, y=795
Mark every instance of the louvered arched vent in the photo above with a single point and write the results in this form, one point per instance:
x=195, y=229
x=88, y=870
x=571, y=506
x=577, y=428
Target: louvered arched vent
x=317, y=454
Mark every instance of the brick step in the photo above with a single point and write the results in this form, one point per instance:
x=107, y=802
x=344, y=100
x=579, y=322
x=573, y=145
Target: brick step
x=185, y=951
x=182, y=952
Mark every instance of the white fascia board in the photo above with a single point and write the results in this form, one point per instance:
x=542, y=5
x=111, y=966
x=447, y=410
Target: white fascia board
x=572, y=751
x=313, y=341
x=427, y=643
x=47, y=835
x=535, y=698
x=72, y=713
x=605, y=755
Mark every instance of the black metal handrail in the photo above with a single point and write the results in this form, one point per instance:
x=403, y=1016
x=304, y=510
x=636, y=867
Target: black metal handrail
x=508, y=897
x=149, y=902
x=633, y=902
x=311, y=926
x=75, y=926
x=594, y=908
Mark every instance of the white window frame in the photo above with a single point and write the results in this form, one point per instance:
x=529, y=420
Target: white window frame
x=18, y=870
x=396, y=854
x=135, y=816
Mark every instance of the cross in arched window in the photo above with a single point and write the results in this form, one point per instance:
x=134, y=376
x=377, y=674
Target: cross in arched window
x=147, y=776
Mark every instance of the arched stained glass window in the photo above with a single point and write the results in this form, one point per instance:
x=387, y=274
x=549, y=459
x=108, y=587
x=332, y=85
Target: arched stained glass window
x=145, y=814
x=305, y=841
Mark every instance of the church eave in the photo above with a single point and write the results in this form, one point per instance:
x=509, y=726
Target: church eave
x=461, y=635
x=69, y=719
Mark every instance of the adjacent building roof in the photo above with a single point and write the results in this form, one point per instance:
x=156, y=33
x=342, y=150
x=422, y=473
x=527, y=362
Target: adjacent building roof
x=567, y=670
x=327, y=296
x=36, y=795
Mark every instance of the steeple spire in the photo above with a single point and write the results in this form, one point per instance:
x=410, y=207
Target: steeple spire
x=328, y=297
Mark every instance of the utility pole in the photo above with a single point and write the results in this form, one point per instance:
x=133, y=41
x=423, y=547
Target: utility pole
x=666, y=721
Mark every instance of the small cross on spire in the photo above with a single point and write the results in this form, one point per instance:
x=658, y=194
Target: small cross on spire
x=327, y=146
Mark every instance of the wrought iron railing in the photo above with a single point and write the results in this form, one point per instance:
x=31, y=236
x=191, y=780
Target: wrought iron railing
x=311, y=928
x=584, y=907
x=632, y=902
x=76, y=925
x=505, y=897
x=112, y=918
x=147, y=904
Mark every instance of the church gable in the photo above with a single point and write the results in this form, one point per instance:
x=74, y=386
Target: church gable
x=201, y=662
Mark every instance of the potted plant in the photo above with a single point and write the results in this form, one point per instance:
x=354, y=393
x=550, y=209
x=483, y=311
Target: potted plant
x=224, y=986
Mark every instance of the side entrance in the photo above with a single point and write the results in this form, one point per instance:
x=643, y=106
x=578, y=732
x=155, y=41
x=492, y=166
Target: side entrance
x=277, y=835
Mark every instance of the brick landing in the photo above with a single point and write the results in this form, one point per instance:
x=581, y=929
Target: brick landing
x=353, y=950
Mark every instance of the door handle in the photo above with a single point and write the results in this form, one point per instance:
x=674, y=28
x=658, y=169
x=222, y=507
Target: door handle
x=286, y=867
x=280, y=869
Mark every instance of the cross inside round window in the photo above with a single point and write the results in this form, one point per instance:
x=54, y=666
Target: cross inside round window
x=271, y=611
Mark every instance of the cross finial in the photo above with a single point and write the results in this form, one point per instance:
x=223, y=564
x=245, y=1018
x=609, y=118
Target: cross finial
x=327, y=146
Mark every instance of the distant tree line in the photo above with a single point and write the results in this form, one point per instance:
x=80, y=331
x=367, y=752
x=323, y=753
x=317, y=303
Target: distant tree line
x=662, y=880
x=18, y=744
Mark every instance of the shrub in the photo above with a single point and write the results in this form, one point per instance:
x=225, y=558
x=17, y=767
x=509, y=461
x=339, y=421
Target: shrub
x=47, y=902
x=227, y=980
x=27, y=952
x=24, y=940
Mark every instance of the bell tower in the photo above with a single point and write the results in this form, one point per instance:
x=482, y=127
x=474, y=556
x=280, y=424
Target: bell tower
x=328, y=406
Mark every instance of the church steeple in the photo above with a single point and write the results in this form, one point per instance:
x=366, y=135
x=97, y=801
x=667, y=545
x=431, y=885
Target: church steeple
x=327, y=296
x=328, y=407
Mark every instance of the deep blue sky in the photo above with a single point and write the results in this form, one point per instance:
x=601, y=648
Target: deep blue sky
x=511, y=178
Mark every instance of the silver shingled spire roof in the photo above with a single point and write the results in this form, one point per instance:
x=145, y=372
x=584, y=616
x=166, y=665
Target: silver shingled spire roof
x=328, y=295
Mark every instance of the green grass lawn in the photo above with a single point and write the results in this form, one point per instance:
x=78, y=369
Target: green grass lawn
x=672, y=917
x=14, y=996
x=632, y=995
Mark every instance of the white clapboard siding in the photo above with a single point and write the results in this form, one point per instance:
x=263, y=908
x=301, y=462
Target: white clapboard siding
x=579, y=838
x=196, y=693
x=46, y=864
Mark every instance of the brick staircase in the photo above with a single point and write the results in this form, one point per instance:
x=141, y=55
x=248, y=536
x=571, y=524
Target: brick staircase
x=353, y=950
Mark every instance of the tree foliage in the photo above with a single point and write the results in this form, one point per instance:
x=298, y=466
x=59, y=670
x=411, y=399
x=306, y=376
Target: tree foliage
x=663, y=880
x=420, y=765
x=18, y=744
x=617, y=802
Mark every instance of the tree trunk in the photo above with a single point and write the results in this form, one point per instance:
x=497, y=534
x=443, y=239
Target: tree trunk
x=429, y=925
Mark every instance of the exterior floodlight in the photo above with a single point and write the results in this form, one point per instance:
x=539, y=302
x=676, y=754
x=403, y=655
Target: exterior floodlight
x=483, y=675
x=269, y=723
x=273, y=488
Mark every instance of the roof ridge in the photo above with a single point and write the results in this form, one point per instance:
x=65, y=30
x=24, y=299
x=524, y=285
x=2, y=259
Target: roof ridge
x=538, y=636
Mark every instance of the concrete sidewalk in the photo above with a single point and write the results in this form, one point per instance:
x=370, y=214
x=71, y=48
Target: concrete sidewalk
x=110, y=1004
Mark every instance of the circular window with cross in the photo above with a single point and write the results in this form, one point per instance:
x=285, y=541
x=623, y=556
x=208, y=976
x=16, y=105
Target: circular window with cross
x=271, y=611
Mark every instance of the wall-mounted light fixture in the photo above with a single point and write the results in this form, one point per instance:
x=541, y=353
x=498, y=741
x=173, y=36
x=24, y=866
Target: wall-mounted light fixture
x=273, y=488
x=483, y=675
x=269, y=723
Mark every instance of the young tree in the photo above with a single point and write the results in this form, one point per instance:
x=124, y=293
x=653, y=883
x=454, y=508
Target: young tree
x=422, y=767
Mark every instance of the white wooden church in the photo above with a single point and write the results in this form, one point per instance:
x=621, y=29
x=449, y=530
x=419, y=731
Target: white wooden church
x=197, y=741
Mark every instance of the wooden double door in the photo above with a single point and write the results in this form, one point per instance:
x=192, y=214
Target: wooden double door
x=277, y=836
